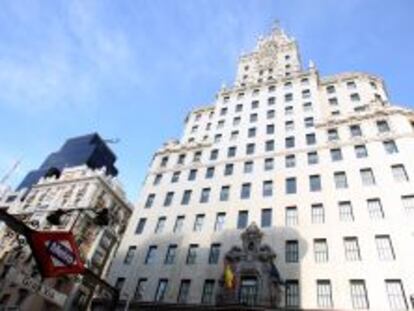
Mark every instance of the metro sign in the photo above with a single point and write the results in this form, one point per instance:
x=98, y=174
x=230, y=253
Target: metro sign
x=56, y=253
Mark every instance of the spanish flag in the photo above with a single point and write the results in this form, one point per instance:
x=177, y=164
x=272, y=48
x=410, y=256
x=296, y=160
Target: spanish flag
x=229, y=279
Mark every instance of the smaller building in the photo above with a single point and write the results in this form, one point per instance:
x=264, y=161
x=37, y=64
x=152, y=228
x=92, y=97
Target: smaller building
x=86, y=190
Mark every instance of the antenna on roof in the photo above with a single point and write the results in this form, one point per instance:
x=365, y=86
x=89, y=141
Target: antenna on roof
x=112, y=140
x=13, y=168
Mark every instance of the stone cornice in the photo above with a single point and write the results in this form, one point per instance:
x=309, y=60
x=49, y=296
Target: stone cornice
x=344, y=76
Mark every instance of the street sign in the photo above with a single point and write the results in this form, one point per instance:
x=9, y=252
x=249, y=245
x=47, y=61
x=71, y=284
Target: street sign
x=36, y=287
x=56, y=252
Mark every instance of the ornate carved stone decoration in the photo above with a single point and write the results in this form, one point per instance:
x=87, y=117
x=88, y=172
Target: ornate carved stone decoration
x=255, y=278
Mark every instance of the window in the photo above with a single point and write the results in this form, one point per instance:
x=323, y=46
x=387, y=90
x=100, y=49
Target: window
x=351, y=246
x=291, y=185
x=270, y=145
x=208, y=292
x=324, y=294
x=320, y=248
x=214, y=154
x=250, y=149
x=360, y=151
x=375, y=209
x=197, y=156
x=271, y=100
x=336, y=154
x=220, y=124
x=161, y=290
x=266, y=219
x=292, y=293
x=183, y=291
x=306, y=94
x=234, y=135
x=210, y=172
x=290, y=160
x=159, y=228
x=290, y=142
x=383, y=126
x=194, y=129
x=399, y=173
x=317, y=214
x=330, y=89
x=340, y=180
x=224, y=193
x=236, y=121
x=288, y=97
x=231, y=152
x=150, y=200
x=267, y=190
x=151, y=255
x=255, y=104
x=140, y=289
x=333, y=135
x=355, y=97
x=313, y=158
x=248, y=166
x=217, y=138
x=192, y=254
x=268, y=164
x=367, y=177
x=289, y=126
x=208, y=126
x=251, y=132
x=175, y=177
x=292, y=251
x=355, y=130
x=245, y=191
x=228, y=169
x=345, y=211
x=396, y=295
x=308, y=122
x=333, y=101
x=390, y=147
x=253, y=117
x=157, y=179
x=130, y=255
x=164, y=161
x=119, y=284
x=242, y=219
x=223, y=111
x=384, y=247
x=359, y=295
x=310, y=139
x=288, y=110
x=351, y=85
x=239, y=108
x=205, y=195
x=170, y=255
x=219, y=224
x=198, y=223
x=179, y=223
x=315, y=183
x=168, y=198
x=270, y=129
x=140, y=226
x=186, y=197
x=408, y=203
x=214, y=256
x=291, y=216
x=226, y=99
x=192, y=174
x=307, y=107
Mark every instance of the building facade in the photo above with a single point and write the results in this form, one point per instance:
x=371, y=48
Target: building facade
x=81, y=188
x=320, y=164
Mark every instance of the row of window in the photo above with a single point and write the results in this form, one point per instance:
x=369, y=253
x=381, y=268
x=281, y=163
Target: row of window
x=317, y=213
x=394, y=291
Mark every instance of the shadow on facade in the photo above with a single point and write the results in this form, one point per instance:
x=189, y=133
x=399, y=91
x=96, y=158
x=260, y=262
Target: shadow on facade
x=257, y=269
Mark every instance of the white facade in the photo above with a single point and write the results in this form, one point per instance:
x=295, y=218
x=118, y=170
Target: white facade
x=280, y=131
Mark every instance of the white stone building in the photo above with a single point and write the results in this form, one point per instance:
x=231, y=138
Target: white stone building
x=76, y=188
x=322, y=164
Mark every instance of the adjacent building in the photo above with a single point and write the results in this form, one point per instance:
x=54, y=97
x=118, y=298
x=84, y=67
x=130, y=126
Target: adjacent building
x=289, y=177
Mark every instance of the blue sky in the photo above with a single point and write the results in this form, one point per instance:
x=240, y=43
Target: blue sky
x=133, y=69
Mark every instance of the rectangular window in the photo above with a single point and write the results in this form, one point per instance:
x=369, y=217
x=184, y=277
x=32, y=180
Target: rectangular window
x=333, y=101
x=324, y=293
x=175, y=177
x=214, y=154
x=184, y=291
x=159, y=228
x=164, y=161
x=307, y=107
x=308, y=122
x=336, y=154
x=315, y=183
x=345, y=211
x=270, y=145
x=119, y=283
x=355, y=130
x=248, y=167
x=292, y=251
x=250, y=149
x=197, y=156
x=310, y=139
x=214, y=256
x=355, y=97
x=383, y=126
x=384, y=248
x=170, y=255
x=219, y=224
x=168, y=198
x=207, y=296
x=313, y=158
x=234, y=135
x=198, y=223
x=245, y=191
x=224, y=193
x=270, y=129
x=150, y=200
x=359, y=295
x=288, y=110
x=291, y=185
x=399, y=173
x=396, y=295
x=333, y=135
x=253, y=117
x=140, y=289
x=179, y=223
x=186, y=197
x=292, y=293
x=330, y=89
x=181, y=159
x=268, y=164
x=306, y=94
x=231, y=152
x=367, y=177
x=288, y=97
x=408, y=203
x=255, y=104
x=205, y=195
x=151, y=255
x=267, y=190
x=157, y=179
x=228, y=169
x=375, y=209
x=290, y=142
x=351, y=246
x=192, y=174
x=289, y=126
x=242, y=219
x=317, y=214
x=290, y=160
x=270, y=114
x=251, y=132
x=192, y=254
x=210, y=172
x=130, y=254
x=360, y=151
x=140, y=226
x=266, y=219
x=390, y=147
x=340, y=180
x=236, y=121
x=291, y=216
x=320, y=248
